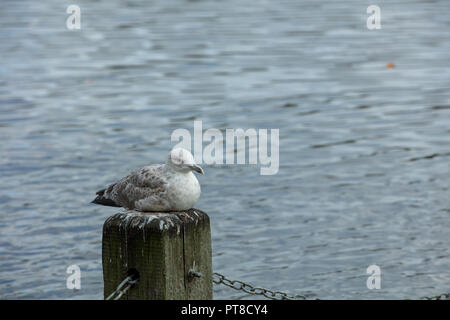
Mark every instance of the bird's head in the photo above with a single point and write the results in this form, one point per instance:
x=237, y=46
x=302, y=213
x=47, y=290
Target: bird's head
x=181, y=160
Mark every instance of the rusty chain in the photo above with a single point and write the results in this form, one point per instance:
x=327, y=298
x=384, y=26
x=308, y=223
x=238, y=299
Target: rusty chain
x=248, y=288
x=238, y=285
x=442, y=296
x=278, y=295
x=128, y=282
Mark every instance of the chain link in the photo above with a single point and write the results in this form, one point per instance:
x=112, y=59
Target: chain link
x=248, y=288
x=119, y=292
x=442, y=296
x=238, y=285
x=278, y=295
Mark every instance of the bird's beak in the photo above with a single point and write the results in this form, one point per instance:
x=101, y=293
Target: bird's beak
x=196, y=168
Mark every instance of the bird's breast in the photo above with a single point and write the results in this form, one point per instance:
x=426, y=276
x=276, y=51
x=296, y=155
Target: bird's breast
x=184, y=192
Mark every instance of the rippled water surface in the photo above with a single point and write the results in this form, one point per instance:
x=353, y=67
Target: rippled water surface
x=364, y=149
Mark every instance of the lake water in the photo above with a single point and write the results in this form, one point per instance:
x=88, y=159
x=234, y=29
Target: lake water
x=364, y=149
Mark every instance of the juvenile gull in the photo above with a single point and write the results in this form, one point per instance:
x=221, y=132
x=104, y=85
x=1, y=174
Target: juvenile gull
x=160, y=187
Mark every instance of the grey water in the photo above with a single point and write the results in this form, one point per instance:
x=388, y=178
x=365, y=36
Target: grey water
x=364, y=149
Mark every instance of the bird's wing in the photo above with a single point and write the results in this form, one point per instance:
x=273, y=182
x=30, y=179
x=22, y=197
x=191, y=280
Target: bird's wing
x=145, y=183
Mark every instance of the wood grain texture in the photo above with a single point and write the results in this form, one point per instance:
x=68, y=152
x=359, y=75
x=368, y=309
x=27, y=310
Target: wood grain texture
x=163, y=248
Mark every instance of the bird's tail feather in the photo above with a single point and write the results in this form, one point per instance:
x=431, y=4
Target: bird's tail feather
x=104, y=201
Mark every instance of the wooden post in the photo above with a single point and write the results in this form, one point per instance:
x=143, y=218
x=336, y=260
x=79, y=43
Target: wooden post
x=166, y=249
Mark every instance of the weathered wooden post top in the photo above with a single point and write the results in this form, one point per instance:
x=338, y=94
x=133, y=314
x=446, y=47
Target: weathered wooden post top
x=169, y=252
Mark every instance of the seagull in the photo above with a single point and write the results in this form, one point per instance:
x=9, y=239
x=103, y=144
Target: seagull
x=160, y=187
